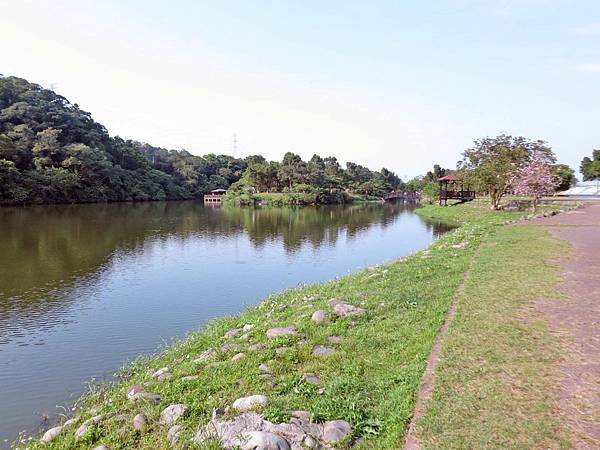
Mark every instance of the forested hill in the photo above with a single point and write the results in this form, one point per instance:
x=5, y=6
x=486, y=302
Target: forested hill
x=51, y=151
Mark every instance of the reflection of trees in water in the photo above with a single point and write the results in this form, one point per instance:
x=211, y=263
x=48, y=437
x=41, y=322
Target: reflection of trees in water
x=53, y=247
x=317, y=226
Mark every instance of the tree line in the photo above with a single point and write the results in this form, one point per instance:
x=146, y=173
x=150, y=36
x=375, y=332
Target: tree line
x=51, y=151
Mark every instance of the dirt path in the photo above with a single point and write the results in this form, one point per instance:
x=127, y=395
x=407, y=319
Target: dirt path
x=412, y=440
x=578, y=320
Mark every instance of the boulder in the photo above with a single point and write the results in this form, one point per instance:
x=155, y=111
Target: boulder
x=148, y=396
x=256, y=347
x=52, y=434
x=173, y=434
x=160, y=372
x=139, y=422
x=311, y=378
x=190, y=378
x=238, y=356
x=248, y=327
x=321, y=317
x=343, y=309
x=132, y=391
x=101, y=447
x=69, y=422
x=82, y=431
x=208, y=354
x=335, y=431
x=263, y=440
x=264, y=368
x=172, y=413
x=282, y=350
x=232, y=333
x=282, y=332
x=323, y=351
x=251, y=402
x=232, y=347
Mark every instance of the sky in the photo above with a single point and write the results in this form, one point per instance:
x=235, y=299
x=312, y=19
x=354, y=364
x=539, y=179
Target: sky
x=395, y=84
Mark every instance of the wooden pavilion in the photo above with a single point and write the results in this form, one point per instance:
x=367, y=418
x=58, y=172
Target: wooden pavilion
x=451, y=188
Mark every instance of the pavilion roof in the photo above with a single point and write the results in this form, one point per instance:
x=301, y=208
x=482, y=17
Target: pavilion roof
x=448, y=178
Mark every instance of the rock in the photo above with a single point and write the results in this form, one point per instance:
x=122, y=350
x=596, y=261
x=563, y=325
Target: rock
x=139, y=422
x=301, y=415
x=251, y=402
x=69, y=422
x=282, y=350
x=172, y=413
x=336, y=430
x=310, y=442
x=82, y=431
x=250, y=431
x=96, y=419
x=256, y=347
x=232, y=333
x=238, y=356
x=247, y=327
x=131, y=393
x=335, y=339
x=228, y=431
x=281, y=332
x=263, y=440
x=321, y=317
x=218, y=412
x=147, y=396
x=311, y=378
x=323, y=351
x=266, y=376
x=190, y=378
x=161, y=372
x=101, y=447
x=208, y=354
x=231, y=347
x=173, y=434
x=52, y=434
x=167, y=376
x=343, y=309
x=264, y=368
x=245, y=337
x=321, y=391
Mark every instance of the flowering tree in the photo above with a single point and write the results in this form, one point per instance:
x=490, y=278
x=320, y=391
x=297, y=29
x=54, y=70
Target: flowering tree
x=534, y=178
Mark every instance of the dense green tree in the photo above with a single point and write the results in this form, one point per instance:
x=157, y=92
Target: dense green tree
x=590, y=167
x=566, y=176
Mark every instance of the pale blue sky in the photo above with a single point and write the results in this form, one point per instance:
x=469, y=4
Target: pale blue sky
x=401, y=84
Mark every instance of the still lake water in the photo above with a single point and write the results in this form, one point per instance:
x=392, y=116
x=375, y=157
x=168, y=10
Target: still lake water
x=86, y=288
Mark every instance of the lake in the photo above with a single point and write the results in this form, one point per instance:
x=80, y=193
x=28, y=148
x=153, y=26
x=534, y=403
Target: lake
x=86, y=288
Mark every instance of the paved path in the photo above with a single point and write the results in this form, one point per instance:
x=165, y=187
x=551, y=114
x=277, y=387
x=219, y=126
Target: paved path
x=578, y=319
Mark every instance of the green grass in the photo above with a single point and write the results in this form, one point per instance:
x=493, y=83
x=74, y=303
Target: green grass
x=371, y=381
x=494, y=383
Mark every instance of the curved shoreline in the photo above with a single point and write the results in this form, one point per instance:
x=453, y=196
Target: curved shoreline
x=379, y=356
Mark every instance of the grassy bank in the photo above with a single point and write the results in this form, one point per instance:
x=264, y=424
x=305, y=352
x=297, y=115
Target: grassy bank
x=497, y=371
x=373, y=377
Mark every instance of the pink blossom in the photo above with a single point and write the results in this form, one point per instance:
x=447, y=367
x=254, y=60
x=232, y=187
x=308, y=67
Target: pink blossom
x=534, y=178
